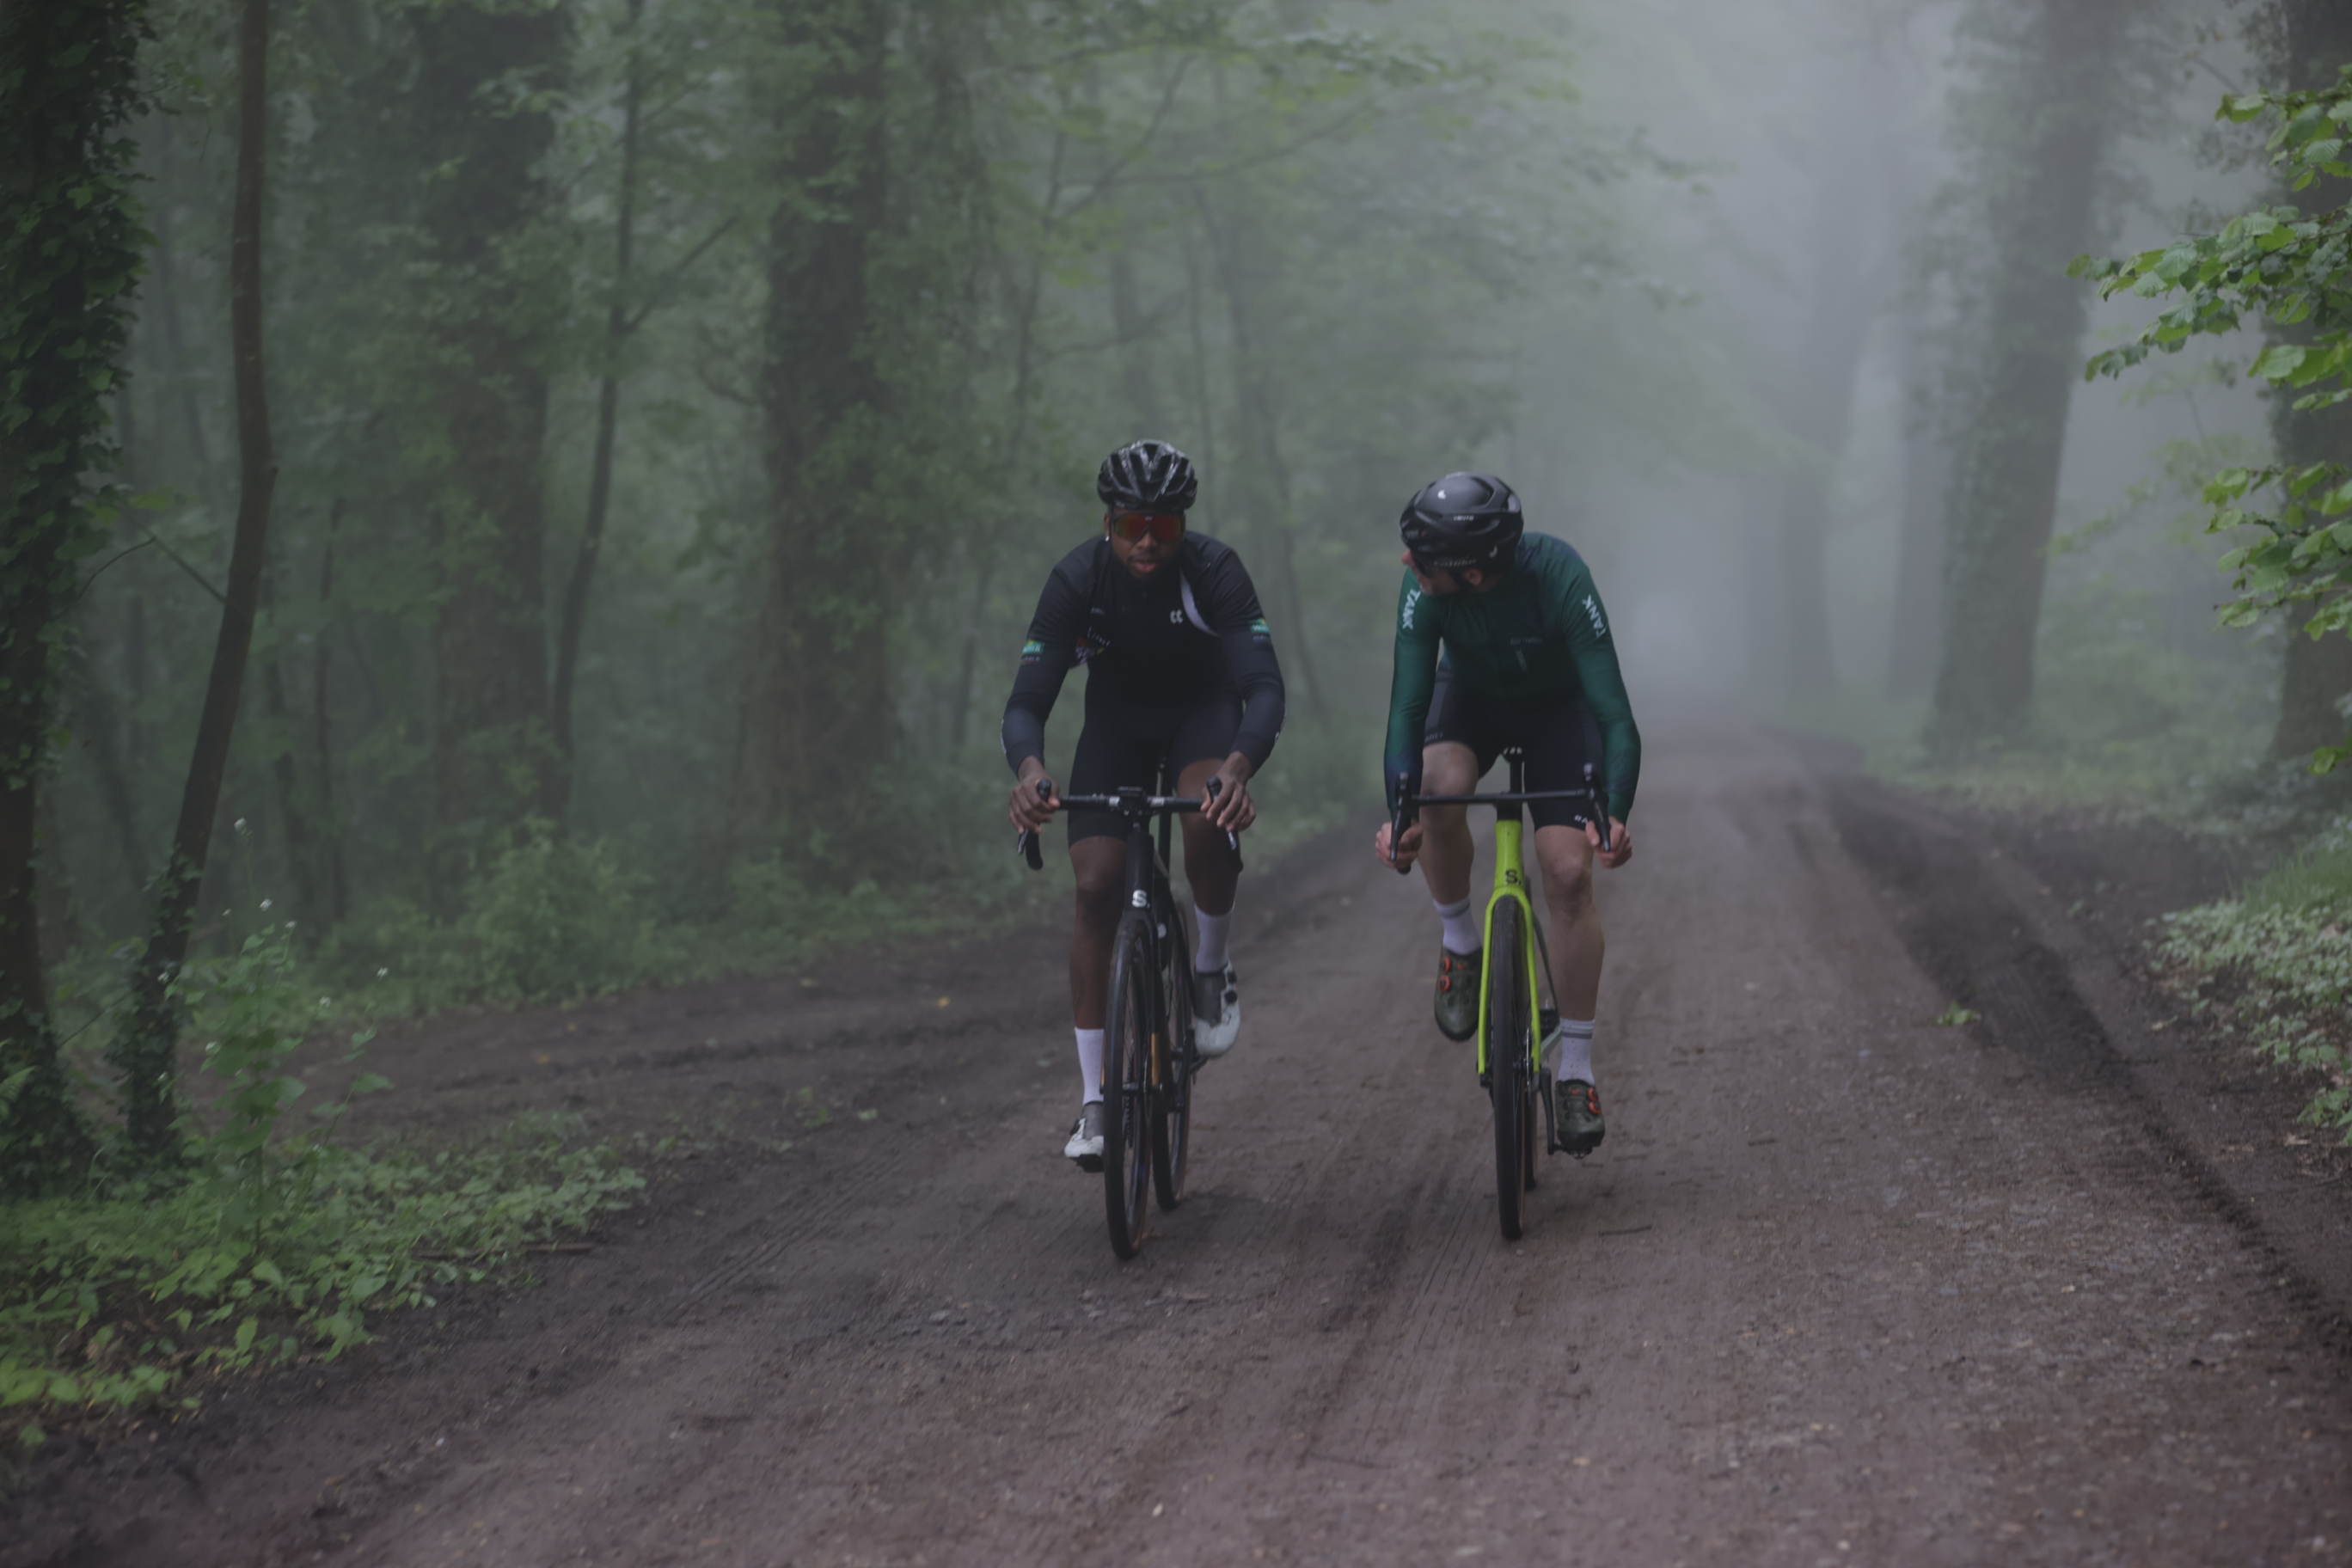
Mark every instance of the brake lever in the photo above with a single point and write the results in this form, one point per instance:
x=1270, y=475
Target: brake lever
x=1599, y=807
x=1399, y=822
x=1233, y=839
x=1026, y=845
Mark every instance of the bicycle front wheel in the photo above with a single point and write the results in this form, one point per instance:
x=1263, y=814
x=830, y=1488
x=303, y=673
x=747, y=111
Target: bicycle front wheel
x=1171, y=1107
x=1126, y=1086
x=1507, y=1059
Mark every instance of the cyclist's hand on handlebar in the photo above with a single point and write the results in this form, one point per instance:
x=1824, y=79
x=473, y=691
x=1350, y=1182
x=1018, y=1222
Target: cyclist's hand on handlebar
x=1032, y=808
x=1408, y=847
x=1231, y=807
x=1621, y=844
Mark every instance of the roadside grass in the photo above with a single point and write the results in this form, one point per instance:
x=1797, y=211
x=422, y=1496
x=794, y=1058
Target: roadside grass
x=266, y=1242
x=2273, y=967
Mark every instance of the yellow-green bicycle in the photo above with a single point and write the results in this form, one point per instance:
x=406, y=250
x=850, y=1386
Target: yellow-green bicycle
x=1512, y=1019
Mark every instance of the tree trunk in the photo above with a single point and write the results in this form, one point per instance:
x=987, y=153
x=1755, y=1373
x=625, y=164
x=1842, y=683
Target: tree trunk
x=68, y=258
x=1918, y=580
x=2310, y=40
x=1134, y=350
x=144, y=1052
x=2003, y=489
x=1247, y=270
x=818, y=716
x=494, y=312
x=322, y=728
x=1822, y=401
x=617, y=327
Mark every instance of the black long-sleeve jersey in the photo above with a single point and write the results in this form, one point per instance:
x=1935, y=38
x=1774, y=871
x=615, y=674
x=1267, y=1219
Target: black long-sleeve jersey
x=1181, y=638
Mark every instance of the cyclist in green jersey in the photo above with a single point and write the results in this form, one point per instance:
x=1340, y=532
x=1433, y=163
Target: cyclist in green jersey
x=1502, y=641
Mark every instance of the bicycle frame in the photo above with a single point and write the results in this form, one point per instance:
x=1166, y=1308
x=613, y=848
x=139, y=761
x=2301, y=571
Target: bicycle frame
x=1510, y=882
x=1510, y=876
x=1147, y=1090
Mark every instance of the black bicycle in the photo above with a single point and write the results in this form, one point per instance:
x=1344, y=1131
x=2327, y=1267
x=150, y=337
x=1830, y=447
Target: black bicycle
x=1150, y=1058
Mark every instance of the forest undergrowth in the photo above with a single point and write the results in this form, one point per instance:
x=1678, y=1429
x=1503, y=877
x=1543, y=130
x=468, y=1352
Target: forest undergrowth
x=2272, y=967
x=558, y=918
x=264, y=1242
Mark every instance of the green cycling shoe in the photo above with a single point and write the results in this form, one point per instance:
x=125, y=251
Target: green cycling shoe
x=1580, y=1126
x=1458, y=979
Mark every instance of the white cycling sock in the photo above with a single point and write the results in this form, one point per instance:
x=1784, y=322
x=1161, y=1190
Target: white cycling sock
x=1573, y=1058
x=1211, y=956
x=1090, y=1055
x=1462, y=934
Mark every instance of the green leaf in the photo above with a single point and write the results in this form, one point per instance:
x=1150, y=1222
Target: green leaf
x=2278, y=362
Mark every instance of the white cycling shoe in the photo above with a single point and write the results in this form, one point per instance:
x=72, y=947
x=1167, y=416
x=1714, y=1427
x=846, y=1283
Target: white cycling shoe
x=1216, y=1012
x=1086, y=1144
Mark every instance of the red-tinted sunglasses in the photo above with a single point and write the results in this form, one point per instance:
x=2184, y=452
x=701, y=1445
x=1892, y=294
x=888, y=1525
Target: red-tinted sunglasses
x=1167, y=527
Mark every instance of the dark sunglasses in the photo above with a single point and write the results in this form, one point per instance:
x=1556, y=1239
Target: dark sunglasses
x=1167, y=527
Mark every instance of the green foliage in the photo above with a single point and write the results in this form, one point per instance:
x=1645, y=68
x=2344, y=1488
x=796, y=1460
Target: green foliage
x=2274, y=966
x=551, y=919
x=269, y=1245
x=2292, y=270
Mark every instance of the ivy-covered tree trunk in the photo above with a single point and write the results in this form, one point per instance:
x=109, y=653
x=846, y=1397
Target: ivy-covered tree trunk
x=818, y=719
x=493, y=305
x=143, y=1052
x=2043, y=131
x=2307, y=41
x=68, y=260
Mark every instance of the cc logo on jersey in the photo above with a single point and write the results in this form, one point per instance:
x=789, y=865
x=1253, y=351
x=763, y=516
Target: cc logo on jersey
x=1175, y=617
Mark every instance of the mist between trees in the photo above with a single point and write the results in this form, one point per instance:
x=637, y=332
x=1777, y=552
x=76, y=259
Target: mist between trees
x=676, y=405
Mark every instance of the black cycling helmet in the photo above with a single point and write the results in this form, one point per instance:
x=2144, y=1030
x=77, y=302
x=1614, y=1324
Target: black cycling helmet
x=1148, y=476
x=1461, y=522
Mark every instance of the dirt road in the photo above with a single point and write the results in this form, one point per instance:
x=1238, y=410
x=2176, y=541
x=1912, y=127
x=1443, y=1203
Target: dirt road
x=1843, y=1286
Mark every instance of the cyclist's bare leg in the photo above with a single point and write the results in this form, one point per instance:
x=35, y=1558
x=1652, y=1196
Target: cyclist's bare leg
x=1101, y=868
x=1565, y=858
x=1208, y=863
x=1448, y=853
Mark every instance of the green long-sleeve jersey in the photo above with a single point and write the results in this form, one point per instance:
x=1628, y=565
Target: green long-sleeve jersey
x=1537, y=640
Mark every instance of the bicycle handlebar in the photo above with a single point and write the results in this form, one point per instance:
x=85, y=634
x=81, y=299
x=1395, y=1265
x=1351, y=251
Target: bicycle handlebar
x=1132, y=804
x=1409, y=805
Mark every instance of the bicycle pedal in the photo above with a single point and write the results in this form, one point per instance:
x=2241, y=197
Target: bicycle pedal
x=1090, y=1164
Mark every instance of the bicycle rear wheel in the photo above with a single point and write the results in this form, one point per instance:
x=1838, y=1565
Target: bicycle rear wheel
x=1506, y=1057
x=1171, y=1107
x=1127, y=1087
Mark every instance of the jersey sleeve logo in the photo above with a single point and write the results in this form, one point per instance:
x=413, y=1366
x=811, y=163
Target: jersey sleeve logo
x=1592, y=608
x=1260, y=632
x=1031, y=651
x=1412, y=602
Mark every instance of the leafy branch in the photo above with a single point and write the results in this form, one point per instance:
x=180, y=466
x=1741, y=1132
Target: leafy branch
x=2290, y=268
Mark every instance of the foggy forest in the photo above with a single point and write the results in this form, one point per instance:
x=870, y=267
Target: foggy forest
x=516, y=505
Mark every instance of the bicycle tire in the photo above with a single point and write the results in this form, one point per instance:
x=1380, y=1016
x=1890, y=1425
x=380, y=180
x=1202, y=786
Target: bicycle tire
x=1127, y=1087
x=1507, y=1055
x=1172, y=1108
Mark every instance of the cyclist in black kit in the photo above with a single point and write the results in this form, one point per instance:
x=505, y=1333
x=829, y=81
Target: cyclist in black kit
x=1182, y=683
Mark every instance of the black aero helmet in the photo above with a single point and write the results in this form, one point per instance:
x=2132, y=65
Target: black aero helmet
x=1461, y=522
x=1146, y=476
